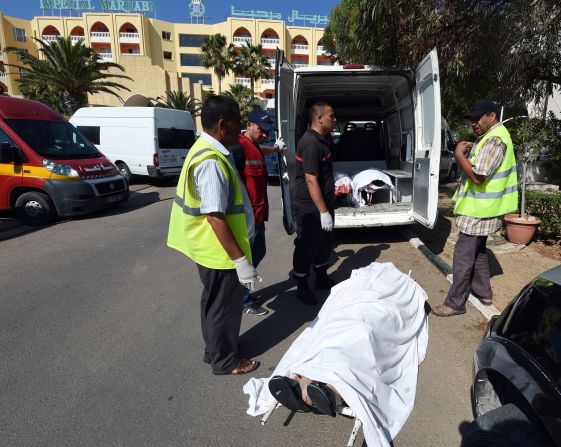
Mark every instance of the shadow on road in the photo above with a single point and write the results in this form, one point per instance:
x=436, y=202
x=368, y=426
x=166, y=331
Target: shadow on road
x=289, y=313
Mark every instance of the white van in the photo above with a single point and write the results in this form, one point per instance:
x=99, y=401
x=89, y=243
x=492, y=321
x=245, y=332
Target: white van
x=403, y=139
x=139, y=140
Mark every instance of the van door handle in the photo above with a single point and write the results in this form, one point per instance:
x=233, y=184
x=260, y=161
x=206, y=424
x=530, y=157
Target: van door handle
x=417, y=166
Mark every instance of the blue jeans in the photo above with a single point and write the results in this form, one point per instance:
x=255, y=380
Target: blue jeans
x=258, y=250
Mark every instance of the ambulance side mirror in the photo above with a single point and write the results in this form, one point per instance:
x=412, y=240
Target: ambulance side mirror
x=9, y=153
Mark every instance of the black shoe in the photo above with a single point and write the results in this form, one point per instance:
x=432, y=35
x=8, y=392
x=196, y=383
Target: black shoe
x=287, y=392
x=322, y=398
x=304, y=293
x=323, y=280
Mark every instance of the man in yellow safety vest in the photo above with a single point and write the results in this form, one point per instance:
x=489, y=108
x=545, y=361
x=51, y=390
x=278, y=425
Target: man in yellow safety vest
x=487, y=191
x=212, y=223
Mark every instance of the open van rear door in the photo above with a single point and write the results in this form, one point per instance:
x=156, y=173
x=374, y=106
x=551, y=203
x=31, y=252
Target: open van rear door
x=427, y=144
x=284, y=107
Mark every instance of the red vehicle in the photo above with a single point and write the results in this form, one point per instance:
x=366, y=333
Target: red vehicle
x=48, y=168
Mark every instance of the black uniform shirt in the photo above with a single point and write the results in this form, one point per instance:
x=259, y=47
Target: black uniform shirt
x=313, y=157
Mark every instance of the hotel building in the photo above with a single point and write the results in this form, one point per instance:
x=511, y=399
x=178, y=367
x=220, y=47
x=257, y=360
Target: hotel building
x=160, y=56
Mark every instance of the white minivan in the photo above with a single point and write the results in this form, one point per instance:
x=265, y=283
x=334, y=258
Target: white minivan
x=139, y=140
x=402, y=138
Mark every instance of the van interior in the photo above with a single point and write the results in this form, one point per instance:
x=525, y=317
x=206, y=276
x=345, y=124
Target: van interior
x=375, y=129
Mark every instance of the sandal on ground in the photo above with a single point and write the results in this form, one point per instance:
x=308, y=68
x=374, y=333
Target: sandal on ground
x=244, y=366
x=446, y=311
x=287, y=392
x=322, y=398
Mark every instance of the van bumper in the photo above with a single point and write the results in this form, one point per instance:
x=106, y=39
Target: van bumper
x=77, y=197
x=163, y=172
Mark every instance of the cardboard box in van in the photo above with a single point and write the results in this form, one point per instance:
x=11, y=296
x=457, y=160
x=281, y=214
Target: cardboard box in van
x=139, y=140
x=400, y=134
x=47, y=167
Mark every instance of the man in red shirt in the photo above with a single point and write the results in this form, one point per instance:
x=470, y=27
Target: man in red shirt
x=250, y=161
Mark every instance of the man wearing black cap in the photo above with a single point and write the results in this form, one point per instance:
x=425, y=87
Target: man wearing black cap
x=487, y=191
x=250, y=162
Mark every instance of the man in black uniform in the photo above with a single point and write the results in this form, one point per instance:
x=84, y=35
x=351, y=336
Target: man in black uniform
x=314, y=203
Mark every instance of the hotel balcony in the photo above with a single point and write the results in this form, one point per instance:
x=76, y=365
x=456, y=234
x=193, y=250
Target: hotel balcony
x=106, y=56
x=299, y=48
x=299, y=65
x=243, y=81
x=272, y=63
x=100, y=37
x=129, y=38
x=270, y=43
x=49, y=38
x=2, y=76
x=321, y=51
x=75, y=39
x=240, y=41
x=268, y=83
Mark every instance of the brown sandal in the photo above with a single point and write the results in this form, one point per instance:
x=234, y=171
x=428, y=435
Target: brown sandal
x=244, y=366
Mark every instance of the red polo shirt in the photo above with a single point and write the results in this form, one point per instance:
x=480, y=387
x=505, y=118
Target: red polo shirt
x=254, y=177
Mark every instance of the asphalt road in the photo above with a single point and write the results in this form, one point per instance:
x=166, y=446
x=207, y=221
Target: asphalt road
x=100, y=342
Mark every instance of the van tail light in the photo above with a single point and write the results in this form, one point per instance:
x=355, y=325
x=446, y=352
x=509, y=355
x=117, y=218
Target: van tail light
x=155, y=160
x=352, y=66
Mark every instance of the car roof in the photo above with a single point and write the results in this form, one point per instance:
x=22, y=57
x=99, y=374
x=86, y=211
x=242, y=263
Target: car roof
x=553, y=275
x=25, y=109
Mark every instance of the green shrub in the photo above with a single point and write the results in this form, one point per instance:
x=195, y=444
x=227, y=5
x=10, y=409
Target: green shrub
x=547, y=207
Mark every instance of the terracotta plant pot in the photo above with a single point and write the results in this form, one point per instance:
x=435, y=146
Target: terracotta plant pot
x=520, y=230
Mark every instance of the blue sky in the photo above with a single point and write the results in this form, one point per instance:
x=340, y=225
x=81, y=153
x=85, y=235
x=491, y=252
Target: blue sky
x=177, y=11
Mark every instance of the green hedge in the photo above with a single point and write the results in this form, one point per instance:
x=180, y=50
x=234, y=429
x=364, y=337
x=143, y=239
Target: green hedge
x=546, y=206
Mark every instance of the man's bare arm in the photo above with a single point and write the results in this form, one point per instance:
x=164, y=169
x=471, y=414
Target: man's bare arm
x=315, y=192
x=225, y=235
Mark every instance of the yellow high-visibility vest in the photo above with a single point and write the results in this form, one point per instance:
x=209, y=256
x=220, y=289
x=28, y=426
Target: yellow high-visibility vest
x=498, y=195
x=189, y=231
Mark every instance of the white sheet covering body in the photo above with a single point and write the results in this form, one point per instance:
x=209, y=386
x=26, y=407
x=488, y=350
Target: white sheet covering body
x=367, y=341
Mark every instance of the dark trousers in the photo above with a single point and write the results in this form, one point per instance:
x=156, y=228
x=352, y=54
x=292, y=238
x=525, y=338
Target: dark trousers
x=471, y=271
x=221, y=316
x=312, y=244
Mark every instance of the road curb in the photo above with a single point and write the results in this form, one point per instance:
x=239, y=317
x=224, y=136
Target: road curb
x=446, y=270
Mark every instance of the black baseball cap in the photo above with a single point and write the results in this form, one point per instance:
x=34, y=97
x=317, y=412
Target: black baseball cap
x=481, y=107
x=260, y=118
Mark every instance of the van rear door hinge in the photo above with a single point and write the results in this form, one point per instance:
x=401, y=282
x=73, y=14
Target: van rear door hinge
x=435, y=77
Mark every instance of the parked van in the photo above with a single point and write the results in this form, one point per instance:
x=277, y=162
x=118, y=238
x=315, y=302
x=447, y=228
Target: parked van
x=139, y=140
x=401, y=136
x=48, y=168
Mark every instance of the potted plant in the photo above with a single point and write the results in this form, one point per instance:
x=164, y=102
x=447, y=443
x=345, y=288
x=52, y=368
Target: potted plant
x=530, y=136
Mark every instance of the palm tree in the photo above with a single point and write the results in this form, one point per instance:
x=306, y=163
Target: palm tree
x=70, y=70
x=242, y=95
x=218, y=56
x=180, y=101
x=252, y=62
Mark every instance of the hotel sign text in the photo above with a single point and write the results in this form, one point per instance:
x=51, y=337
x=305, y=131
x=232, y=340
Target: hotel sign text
x=138, y=6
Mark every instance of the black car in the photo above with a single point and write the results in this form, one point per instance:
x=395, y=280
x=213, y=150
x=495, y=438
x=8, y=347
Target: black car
x=516, y=392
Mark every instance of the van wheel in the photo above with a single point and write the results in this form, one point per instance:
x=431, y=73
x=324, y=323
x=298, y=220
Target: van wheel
x=125, y=171
x=35, y=208
x=506, y=426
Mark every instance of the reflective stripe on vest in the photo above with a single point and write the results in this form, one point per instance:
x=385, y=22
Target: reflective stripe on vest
x=498, y=195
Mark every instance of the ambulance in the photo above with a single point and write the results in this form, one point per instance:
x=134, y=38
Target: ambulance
x=47, y=168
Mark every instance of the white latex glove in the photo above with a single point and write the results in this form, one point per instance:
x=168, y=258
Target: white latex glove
x=280, y=144
x=326, y=221
x=246, y=273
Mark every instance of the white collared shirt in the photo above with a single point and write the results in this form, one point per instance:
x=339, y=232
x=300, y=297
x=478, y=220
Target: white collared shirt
x=213, y=189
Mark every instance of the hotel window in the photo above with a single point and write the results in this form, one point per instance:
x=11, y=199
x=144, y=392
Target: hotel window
x=195, y=78
x=22, y=73
x=191, y=60
x=19, y=34
x=167, y=55
x=21, y=57
x=166, y=35
x=191, y=40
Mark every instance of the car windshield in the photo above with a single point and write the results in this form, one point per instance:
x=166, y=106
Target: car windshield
x=57, y=140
